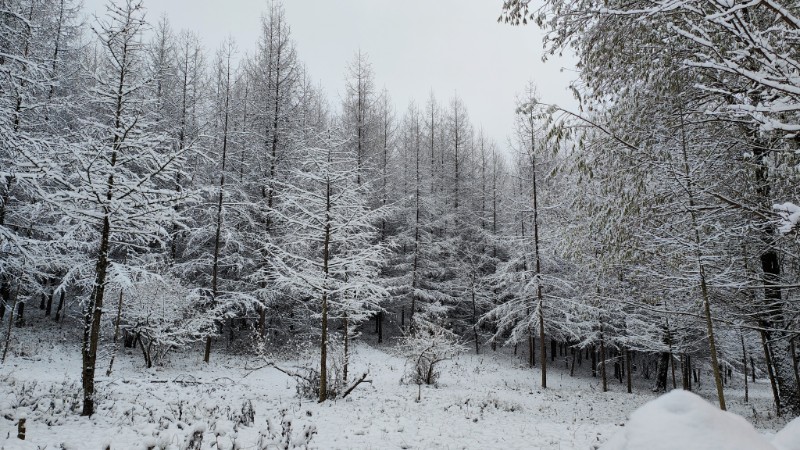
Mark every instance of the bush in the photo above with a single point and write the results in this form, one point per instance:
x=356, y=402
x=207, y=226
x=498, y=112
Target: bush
x=429, y=345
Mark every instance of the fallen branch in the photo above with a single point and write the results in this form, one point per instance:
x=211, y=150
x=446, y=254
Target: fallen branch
x=363, y=379
x=287, y=372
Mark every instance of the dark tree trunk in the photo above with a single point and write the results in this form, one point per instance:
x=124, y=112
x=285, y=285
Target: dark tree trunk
x=773, y=316
x=5, y=295
x=60, y=308
x=771, y=372
x=628, y=370
x=662, y=372
x=380, y=327
x=531, y=349
x=262, y=321
x=572, y=366
x=603, y=376
x=744, y=365
x=92, y=316
x=795, y=361
x=207, y=352
x=672, y=368
x=685, y=371
x=19, y=321
x=48, y=307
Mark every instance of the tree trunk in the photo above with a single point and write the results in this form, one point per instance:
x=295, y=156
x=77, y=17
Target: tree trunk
x=603, y=376
x=60, y=308
x=531, y=349
x=220, y=197
x=323, y=353
x=685, y=373
x=19, y=322
x=207, y=352
x=795, y=360
x=380, y=327
x=699, y=257
x=92, y=316
x=572, y=366
x=119, y=317
x=262, y=321
x=672, y=367
x=539, y=294
x=475, y=317
x=346, y=361
x=628, y=370
x=10, y=322
x=48, y=307
x=772, y=381
x=744, y=361
x=773, y=306
x=662, y=372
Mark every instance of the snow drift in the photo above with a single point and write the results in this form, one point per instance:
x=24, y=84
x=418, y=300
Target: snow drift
x=682, y=420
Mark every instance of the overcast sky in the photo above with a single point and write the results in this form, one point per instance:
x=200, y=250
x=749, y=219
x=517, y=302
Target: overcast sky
x=415, y=46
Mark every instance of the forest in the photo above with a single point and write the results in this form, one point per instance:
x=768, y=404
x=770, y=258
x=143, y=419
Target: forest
x=168, y=203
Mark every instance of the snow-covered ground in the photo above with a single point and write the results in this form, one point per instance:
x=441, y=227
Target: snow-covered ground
x=482, y=401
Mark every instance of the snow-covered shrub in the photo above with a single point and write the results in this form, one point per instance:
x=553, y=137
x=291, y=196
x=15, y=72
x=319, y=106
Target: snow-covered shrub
x=429, y=345
x=161, y=316
x=49, y=404
x=282, y=436
x=308, y=379
x=195, y=440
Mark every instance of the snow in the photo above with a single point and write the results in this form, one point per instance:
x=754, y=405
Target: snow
x=683, y=420
x=490, y=400
x=789, y=437
x=790, y=215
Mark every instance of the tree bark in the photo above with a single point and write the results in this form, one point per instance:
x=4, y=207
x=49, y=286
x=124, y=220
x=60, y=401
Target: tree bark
x=744, y=365
x=771, y=372
x=92, y=316
x=60, y=308
x=323, y=363
x=603, y=376
x=662, y=371
x=628, y=370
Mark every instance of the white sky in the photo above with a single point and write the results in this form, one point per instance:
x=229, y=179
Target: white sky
x=415, y=46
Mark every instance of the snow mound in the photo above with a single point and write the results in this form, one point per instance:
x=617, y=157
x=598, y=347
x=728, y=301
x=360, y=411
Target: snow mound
x=682, y=420
x=789, y=437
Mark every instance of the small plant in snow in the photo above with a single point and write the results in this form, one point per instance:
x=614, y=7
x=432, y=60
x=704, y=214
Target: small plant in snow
x=308, y=378
x=429, y=345
x=281, y=435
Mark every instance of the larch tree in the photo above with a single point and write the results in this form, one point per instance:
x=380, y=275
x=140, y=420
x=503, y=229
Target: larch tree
x=330, y=255
x=113, y=193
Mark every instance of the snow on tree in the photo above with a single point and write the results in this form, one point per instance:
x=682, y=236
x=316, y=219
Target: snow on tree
x=329, y=256
x=113, y=192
